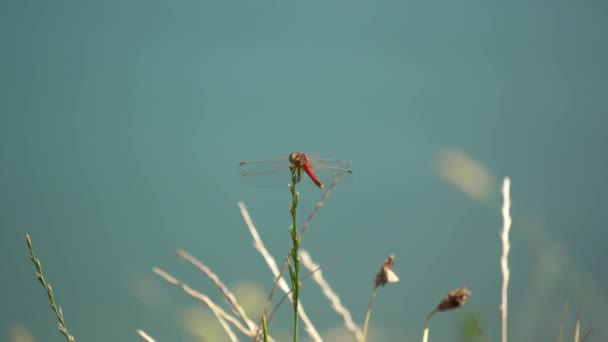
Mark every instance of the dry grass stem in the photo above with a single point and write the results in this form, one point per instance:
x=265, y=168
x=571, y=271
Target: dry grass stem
x=317, y=207
x=504, y=260
x=278, y=305
x=425, y=333
x=303, y=279
x=368, y=313
x=228, y=295
x=259, y=246
x=577, y=324
x=219, y=313
x=385, y=276
x=336, y=304
x=561, y=322
x=587, y=335
x=144, y=336
x=267, y=318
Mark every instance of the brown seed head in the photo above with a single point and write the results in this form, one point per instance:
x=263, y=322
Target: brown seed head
x=454, y=299
x=386, y=274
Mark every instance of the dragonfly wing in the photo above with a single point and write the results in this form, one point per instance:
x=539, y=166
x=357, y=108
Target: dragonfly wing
x=259, y=165
x=327, y=169
x=334, y=164
x=273, y=173
x=270, y=178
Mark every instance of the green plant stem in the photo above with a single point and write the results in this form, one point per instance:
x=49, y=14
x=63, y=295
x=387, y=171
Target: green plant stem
x=368, y=314
x=294, y=269
x=425, y=334
x=264, y=327
x=63, y=329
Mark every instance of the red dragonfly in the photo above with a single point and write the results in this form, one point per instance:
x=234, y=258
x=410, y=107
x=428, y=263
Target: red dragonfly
x=276, y=171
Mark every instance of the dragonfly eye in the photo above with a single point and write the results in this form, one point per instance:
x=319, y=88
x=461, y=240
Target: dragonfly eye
x=293, y=158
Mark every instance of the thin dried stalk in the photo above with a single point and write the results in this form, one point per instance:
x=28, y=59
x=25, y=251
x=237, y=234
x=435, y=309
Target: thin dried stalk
x=144, y=336
x=228, y=295
x=383, y=277
x=219, y=313
x=561, y=322
x=577, y=324
x=504, y=260
x=317, y=207
x=334, y=299
x=259, y=246
x=266, y=318
x=425, y=333
x=587, y=335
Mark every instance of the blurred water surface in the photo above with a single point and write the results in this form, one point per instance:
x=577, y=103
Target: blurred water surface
x=121, y=124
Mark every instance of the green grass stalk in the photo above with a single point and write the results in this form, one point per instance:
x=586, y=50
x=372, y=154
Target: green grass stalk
x=264, y=327
x=294, y=263
x=368, y=314
x=63, y=329
x=427, y=322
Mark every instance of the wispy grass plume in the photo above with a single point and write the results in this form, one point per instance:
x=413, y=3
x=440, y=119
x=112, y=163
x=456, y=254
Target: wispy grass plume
x=63, y=329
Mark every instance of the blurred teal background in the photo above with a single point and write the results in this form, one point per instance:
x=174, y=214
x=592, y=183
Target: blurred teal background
x=121, y=124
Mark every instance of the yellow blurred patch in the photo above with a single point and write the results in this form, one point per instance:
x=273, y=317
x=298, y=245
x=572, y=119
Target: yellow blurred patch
x=148, y=290
x=18, y=332
x=465, y=173
x=251, y=297
x=341, y=334
x=202, y=325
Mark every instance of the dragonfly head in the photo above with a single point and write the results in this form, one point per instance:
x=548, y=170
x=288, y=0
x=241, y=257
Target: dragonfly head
x=293, y=157
x=298, y=159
